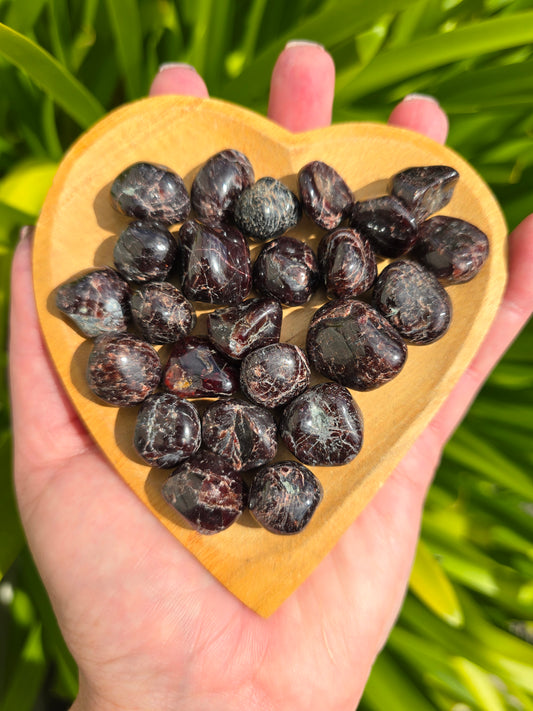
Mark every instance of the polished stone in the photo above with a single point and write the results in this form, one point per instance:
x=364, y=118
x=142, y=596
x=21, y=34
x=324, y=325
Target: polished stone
x=123, y=369
x=273, y=375
x=323, y=426
x=96, y=303
x=215, y=263
x=207, y=492
x=413, y=301
x=167, y=430
x=325, y=197
x=347, y=262
x=219, y=182
x=161, y=313
x=242, y=433
x=284, y=496
x=238, y=330
x=353, y=344
x=148, y=191
x=286, y=269
x=267, y=209
x=196, y=369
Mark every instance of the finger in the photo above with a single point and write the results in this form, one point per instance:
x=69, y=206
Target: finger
x=178, y=79
x=302, y=87
x=421, y=114
x=36, y=395
x=513, y=314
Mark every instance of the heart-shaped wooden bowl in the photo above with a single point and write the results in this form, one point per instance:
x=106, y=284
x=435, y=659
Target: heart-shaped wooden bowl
x=77, y=230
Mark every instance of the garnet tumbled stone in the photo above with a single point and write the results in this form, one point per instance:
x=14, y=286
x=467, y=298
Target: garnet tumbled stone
x=286, y=269
x=219, y=183
x=167, y=430
x=207, y=492
x=274, y=375
x=350, y=342
x=325, y=196
x=243, y=434
x=323, y=426
x=145, y=252
x=284, y=497
x=424, y=190
x=453, y=249
x=347, y=262
x=215, y=263
x=387, y=224
x=196, y=369
x=266, y=210
x=161, y=313
x=151, y=192
x=123, y=369
x=413, y=301
x=238, y=330
x=97, y=302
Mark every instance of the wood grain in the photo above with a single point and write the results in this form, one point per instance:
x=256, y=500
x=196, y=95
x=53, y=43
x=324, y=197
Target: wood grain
x=77, y=230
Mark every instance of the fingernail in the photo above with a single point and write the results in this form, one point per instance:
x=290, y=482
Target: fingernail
x=26, y=232
x=176, y=65
x=415, y=96
x=302, y=43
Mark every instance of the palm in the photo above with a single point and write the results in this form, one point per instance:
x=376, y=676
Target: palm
x=147, y=624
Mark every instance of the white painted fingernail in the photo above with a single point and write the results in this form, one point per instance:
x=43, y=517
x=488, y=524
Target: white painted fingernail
x=302, y=43
x=26, y=232
x=415, y=97
x=176, y=65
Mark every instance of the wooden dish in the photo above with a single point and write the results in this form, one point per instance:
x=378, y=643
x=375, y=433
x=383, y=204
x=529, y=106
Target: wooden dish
x=77, y=230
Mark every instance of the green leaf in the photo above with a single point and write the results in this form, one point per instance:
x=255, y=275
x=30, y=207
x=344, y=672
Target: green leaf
x=126, y=24
x=11, y=534
x=331, y=24
x=480, y=684
x=390, y=688
x=22, y=16
x=51, y=76
x=25, y=187
x=430, y=583
x=469, y=450
x=29, y=675
x=472, y=40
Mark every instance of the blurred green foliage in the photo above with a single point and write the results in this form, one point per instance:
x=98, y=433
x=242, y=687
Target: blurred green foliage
x=464, y=636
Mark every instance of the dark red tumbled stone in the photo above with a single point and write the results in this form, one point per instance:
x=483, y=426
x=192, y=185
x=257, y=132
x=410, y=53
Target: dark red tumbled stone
x=424, y=190
x=242, y=433
x=144, y=252
x=323, y=426
x=266, y=209
x=353, y=344
x=123, y=369
x=347, y=262
x=453, y=249
x=97, y=302
x=196, y=369
x=413, y=301
x=149, y=191
x=284, y=496
x=167, y=430
x=161, y=313
x=207, y=492
x=219, y=183
x=273, y=375
x=238, y=330
x=387, y=224
x=325, y=197
x=215, y=263
x=287, y=270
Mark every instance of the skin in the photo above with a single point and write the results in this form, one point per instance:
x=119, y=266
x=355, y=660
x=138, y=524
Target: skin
x=147, y=624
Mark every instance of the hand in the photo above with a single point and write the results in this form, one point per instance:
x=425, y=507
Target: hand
x=148, y=626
